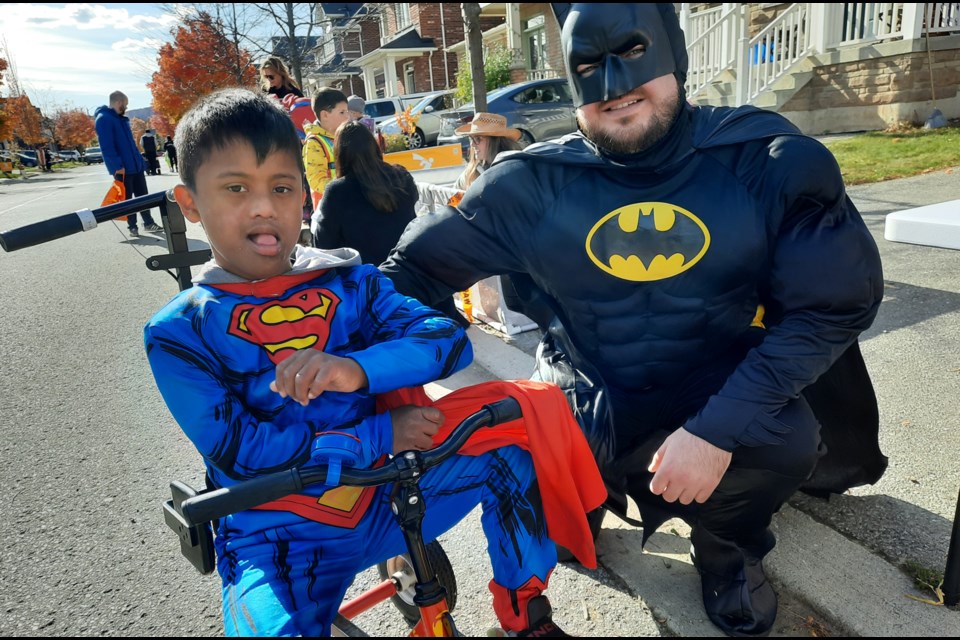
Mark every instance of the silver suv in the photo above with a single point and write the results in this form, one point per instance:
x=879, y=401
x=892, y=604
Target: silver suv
x=428, y=113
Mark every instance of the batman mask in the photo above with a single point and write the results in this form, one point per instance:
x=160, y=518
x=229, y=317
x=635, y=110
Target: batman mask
x=625, y=45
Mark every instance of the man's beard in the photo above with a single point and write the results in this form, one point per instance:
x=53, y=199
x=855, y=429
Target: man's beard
x=614, y=141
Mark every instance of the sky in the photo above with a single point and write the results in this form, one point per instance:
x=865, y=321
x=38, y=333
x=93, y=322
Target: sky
x=74, y=56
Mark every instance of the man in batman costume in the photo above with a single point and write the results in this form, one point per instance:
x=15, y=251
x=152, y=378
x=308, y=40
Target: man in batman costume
x=701, y=278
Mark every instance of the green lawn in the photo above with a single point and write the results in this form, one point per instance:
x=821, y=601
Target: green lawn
x=877, y=156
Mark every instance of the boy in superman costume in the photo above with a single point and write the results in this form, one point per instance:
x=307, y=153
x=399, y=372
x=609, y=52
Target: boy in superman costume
x=277, y=344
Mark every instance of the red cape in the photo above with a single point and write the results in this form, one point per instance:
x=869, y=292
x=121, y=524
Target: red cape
x=570, y=483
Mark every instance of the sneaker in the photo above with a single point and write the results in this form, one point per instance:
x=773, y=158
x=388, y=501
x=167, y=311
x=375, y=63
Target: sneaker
x=153, y=226
x=540, y=614
x=133, y=232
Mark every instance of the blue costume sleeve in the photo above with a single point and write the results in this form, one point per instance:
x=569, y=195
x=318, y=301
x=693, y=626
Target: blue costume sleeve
x=409, y=343
x=824, y=288
x=193, y=381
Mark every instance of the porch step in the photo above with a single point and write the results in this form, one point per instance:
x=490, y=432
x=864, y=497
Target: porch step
x=723, y=92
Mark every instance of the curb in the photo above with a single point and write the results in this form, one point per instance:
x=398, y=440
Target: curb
x=857, y=591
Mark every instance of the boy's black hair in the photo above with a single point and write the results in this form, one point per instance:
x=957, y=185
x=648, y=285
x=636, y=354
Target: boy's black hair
x=231, y=115
x=326, y=98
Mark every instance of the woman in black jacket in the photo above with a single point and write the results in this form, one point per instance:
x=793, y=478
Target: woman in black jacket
x=370, y=203
x=368, y=206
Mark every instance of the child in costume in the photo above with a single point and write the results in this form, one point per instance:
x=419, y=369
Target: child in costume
x=277, y=345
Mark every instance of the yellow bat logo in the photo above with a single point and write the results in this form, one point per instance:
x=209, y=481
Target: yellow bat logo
x=647, y=241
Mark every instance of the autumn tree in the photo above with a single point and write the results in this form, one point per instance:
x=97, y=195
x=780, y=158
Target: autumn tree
x=74, y=129
x=199, y=61
x=24, y=120
x=162, y=126
x=138, y=127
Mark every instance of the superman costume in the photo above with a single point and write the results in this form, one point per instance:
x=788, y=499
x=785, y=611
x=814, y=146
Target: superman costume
x=716, y=280
x=286, y=566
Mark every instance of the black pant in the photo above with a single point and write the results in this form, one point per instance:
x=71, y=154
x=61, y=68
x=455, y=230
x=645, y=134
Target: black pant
x=136, y=185
x=733, y=522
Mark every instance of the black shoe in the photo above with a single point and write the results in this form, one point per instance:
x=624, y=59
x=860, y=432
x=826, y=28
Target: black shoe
x=153, y=227
x=133, y=232
x=540, y=615
x=743, y=605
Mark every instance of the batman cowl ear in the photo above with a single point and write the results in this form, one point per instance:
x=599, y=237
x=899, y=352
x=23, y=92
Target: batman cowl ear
x=560, y=11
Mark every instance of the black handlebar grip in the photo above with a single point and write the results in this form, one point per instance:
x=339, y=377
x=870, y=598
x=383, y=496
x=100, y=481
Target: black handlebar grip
x=218, y=503
x=40, y=232
x=504, y=411
x=70, y=223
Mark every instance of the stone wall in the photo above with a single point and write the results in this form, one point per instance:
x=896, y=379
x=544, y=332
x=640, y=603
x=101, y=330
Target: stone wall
x=876, y=92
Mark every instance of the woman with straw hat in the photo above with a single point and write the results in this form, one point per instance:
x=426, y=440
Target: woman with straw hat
x=489, y=135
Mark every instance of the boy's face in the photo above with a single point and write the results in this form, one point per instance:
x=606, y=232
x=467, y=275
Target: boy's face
x=251, y=214
x=332, y=119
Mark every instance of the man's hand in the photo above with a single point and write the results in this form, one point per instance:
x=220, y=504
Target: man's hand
x=414, y=427
x=687, y=468
x=309, y=372
x=120, y=174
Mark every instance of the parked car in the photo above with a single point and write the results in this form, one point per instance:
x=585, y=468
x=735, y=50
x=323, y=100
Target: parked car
x=93, y=155
x=27, y=157
x=71, y=155
x=382, y=109
x=428, y=112
x=541, y=109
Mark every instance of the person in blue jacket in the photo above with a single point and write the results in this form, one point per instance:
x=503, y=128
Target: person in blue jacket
x=701, y=278
x=122, y=157
x=279, y=347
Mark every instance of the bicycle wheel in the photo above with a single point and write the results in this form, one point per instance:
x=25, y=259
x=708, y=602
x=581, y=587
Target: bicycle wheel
x=441, y=565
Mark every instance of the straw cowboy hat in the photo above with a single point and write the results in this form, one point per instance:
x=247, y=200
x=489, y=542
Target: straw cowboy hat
x=488, y=124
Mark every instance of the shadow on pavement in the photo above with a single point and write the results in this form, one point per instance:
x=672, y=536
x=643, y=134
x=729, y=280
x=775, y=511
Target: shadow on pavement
x=906, y=304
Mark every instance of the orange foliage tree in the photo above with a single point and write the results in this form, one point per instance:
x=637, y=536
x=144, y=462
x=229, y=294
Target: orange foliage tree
x=162, y=126
x=74, y=129
x=200, y=60
x=138, y=127
x=24, y=120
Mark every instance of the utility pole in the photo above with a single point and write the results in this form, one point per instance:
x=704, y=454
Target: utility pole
x=471, y=24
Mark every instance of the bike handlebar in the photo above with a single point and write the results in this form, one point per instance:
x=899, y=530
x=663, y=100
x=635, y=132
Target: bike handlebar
x=248, y=494
x=71, y=223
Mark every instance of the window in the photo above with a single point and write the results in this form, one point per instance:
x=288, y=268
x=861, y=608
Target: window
x=535, y=42
x=408, y=80
x=402, y=11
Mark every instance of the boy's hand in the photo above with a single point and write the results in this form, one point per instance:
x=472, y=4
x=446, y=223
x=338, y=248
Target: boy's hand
x=414, y=427
x=309, y=372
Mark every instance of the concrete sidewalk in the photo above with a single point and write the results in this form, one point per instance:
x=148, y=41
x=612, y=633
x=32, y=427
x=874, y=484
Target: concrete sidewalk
x=828, y=584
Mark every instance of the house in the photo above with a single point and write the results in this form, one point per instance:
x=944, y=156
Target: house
x=531, y=32
x=391, y=48
x=827, y=67
x=349, y=31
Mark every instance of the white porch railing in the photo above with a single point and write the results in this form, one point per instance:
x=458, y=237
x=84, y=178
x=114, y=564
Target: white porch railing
x=770, y=54
x=700, y=21
x=943, y=17
x=717, y=38
x=714, y=49
x=870, y=21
